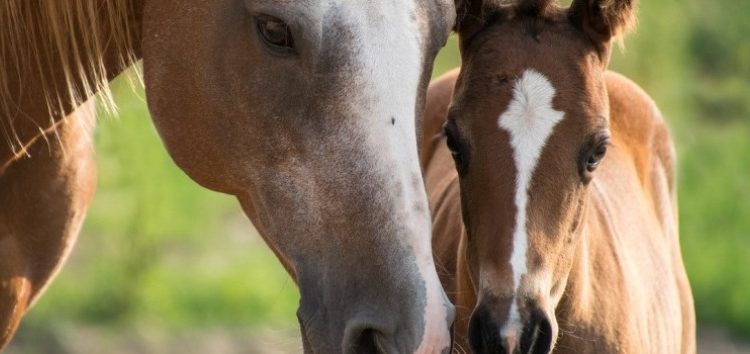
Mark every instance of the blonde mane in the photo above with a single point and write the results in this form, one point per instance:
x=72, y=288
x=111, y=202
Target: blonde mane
x=78, y=40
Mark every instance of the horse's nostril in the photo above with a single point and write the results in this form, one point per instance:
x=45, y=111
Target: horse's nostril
x=367, y=343
x=368, y=339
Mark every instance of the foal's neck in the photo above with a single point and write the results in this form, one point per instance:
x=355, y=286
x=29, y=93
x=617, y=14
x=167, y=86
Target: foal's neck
x=594, y=297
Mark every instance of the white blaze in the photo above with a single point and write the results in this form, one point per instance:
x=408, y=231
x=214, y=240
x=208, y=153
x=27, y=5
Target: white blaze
x=530, y=120
x=391, y=55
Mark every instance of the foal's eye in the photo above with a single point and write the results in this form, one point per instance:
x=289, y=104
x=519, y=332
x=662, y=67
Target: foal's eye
x=592, y=156
x=596, y=156
x=455, y=146
x=276, y=34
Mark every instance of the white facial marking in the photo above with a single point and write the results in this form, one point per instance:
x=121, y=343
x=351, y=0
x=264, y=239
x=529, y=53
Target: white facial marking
x=530, y=120
x=391, y=58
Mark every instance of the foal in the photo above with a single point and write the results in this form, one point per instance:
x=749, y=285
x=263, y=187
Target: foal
x=562, y=248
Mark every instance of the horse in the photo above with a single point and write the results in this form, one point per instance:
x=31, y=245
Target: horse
x=551, y=182
x=306, y=111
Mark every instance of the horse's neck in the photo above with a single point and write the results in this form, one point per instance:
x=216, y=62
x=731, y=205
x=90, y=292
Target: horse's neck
x=58, y=55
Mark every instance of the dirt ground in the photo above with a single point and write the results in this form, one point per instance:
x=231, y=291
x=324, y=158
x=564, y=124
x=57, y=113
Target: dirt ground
x=94, y=341
x=716, y=341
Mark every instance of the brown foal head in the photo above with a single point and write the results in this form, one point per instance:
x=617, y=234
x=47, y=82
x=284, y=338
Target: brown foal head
x=307, y=111
x=528, y=127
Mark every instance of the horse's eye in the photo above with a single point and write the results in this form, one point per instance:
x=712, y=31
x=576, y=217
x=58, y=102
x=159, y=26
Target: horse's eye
x=595, y=159
x=276, y=34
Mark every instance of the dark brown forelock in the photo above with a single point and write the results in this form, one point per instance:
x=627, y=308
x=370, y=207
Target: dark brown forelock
x=532, y=8
x=474, y=16
x=489, y=8
x=618, y=15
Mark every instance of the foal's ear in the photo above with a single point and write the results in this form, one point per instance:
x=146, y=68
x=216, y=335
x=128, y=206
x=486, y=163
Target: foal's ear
x=603, y=20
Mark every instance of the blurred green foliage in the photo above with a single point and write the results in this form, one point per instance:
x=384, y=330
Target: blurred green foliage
x=159, y=249
x=693, y=57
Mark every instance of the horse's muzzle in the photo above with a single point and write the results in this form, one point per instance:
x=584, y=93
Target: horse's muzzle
x=376, y=332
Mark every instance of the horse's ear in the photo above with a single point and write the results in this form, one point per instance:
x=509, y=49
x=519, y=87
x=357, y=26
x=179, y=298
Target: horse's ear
x=603, y=20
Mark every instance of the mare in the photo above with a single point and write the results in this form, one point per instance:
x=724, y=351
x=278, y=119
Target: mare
x=306, y=111
x=552, y=188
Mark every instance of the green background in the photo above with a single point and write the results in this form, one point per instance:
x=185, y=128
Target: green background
x=161, y=260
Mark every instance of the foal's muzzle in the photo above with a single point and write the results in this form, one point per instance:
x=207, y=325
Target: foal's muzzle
x=487, y=334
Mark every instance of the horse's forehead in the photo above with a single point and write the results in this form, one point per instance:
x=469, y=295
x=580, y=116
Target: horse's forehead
x=376, y=15
x=321, y=10
x=374, y=9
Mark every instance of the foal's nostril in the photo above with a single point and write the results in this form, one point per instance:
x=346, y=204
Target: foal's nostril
x=484, y=334
x=476, y=332
x=537, y=335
